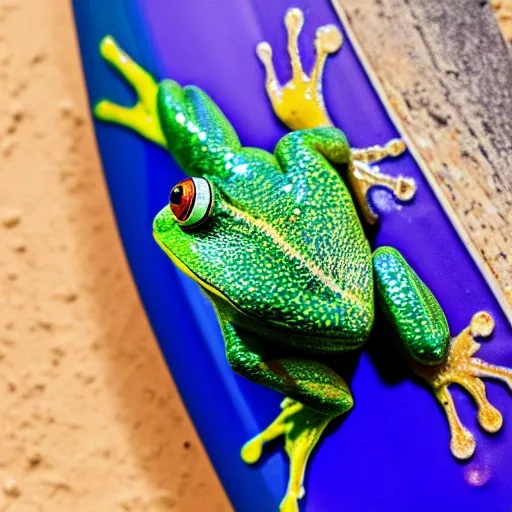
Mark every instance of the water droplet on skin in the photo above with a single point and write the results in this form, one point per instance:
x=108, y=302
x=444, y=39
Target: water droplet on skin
x=477, y=475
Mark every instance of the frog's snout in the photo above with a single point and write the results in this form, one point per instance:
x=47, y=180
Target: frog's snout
x=163, y=222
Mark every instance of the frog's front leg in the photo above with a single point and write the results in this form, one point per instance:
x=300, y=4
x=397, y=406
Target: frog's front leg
x=423, y=331
x=300, y=105
x=143, y=116
x=315, y=395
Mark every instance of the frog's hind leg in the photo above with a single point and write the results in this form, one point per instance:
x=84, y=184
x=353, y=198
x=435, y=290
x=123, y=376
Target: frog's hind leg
x=143, y=116
x=299, y=104
x=423, y=332
x=302, y=429
x=315, y=395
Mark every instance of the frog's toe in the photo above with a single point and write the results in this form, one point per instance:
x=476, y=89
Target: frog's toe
x=289, y=504
x=328, y=39
x=252, y=450
x=106, y=110
x=141, y=117
x=362, y=177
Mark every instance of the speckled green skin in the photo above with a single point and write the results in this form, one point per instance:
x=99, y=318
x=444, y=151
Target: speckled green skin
x=410, y=307
x=283, y=256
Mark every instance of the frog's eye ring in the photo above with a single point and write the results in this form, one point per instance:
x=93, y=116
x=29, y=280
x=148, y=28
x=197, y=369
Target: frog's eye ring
x=190, y=201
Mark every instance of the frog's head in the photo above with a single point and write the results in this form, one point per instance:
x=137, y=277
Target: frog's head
x=201, y=232
x=244, y=264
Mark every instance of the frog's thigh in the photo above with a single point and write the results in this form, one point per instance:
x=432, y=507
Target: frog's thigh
x=410, y=307
x=312, y=146
x=198, y=134
x=311, y=383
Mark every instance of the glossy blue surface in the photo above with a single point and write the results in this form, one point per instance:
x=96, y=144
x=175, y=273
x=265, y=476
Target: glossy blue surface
x=391, y=453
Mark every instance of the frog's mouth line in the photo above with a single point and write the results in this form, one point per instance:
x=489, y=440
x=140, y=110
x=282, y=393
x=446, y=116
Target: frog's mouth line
x=278, y=326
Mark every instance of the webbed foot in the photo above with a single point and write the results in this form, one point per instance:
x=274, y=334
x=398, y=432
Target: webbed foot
x=302, y=428
x=460, y=367
x=422, y=329
x=143, y=116
x=299, y=103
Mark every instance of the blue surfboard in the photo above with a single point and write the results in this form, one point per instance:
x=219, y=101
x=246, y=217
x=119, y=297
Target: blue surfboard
x=391, y=452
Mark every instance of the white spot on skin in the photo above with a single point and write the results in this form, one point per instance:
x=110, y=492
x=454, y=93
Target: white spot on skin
x=191, y=127
x=240, y=169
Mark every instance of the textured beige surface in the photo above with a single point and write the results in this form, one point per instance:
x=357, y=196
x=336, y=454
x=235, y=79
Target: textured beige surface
x=90, y=419
x=503, y=10
x=443, y=70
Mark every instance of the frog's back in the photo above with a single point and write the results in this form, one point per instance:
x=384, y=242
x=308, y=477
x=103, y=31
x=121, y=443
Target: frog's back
x=307, y=220
x=263, y=280
x=299, y=202
x=312, y=211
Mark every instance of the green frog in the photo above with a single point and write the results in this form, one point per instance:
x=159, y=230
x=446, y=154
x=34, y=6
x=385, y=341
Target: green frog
x=276, y=243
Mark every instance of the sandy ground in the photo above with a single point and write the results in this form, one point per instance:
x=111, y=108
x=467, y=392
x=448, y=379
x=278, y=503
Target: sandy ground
x=503, y=10
x=90, y=419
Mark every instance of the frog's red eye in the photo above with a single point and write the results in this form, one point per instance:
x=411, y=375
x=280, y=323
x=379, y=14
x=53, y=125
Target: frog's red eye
x=190, y=201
